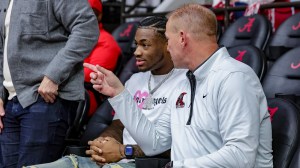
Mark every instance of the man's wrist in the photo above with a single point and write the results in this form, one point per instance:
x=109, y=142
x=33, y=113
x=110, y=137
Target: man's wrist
x=129, y=151
x=118, y=91
x=122, y=151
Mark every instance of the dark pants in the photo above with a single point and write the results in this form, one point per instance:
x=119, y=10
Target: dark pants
x=35, y=134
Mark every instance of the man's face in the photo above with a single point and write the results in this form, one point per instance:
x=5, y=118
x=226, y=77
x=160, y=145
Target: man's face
x=150, y=49
x=173, y=46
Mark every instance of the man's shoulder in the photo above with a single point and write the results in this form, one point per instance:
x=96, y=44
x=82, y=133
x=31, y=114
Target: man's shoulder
x=229, y=65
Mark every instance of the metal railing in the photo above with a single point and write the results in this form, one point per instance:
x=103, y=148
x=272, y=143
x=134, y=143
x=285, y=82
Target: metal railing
x=125, y=13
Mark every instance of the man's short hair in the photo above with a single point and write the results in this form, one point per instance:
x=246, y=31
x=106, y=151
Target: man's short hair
x=158, y=23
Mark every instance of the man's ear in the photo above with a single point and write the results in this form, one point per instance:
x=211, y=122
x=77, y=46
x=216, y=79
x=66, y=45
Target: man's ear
x=166, y=47
x=183, y=38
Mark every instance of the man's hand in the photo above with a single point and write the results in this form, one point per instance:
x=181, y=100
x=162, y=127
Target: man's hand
x=106, y=151
x=2, y=113
x=95, y=141
x=94, y=151
x=48, y=90
x=104, y=81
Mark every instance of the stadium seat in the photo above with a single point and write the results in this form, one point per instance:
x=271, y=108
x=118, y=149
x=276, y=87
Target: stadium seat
x=284, y=76
x=295, y=163
x=251, y=56
x=124, y=35
x=254, y=30
x=119, y=65
x=80, y=119
x=285, y=130
x=219, y=30
x=286, y=37
x=129, y=69
x=99, y=121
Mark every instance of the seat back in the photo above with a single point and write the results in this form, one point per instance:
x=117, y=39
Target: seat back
x=284, y=76
x=129, y=69
x=119, y=65
x=124, y=35
x=98, y=122
x=286, y=37
x=251, y=56
x=254, y=30
x=219, y=30
x=285, y=130
x=80, y=118
x=295, y=163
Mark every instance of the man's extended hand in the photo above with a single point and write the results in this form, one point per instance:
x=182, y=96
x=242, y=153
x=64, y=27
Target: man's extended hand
x=2, y=113
x=48, y=90
x=104, y=81
x=106, y=151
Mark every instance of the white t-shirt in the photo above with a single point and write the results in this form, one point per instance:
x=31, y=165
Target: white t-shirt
x=7, y=83
x=137, y=85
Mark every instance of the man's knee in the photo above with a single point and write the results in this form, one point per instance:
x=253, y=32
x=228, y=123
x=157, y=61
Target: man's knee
x=70, y=161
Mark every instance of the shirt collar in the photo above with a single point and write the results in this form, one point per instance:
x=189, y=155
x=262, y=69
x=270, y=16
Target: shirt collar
x=203, y=69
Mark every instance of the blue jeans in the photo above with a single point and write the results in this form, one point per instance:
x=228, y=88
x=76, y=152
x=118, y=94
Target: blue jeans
x=34, y=134
x=74, y=161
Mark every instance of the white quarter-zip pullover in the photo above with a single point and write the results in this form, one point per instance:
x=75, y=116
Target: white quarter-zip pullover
x=230, y=125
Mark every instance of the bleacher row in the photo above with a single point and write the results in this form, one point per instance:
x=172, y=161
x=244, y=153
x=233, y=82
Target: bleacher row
x=274, y=56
